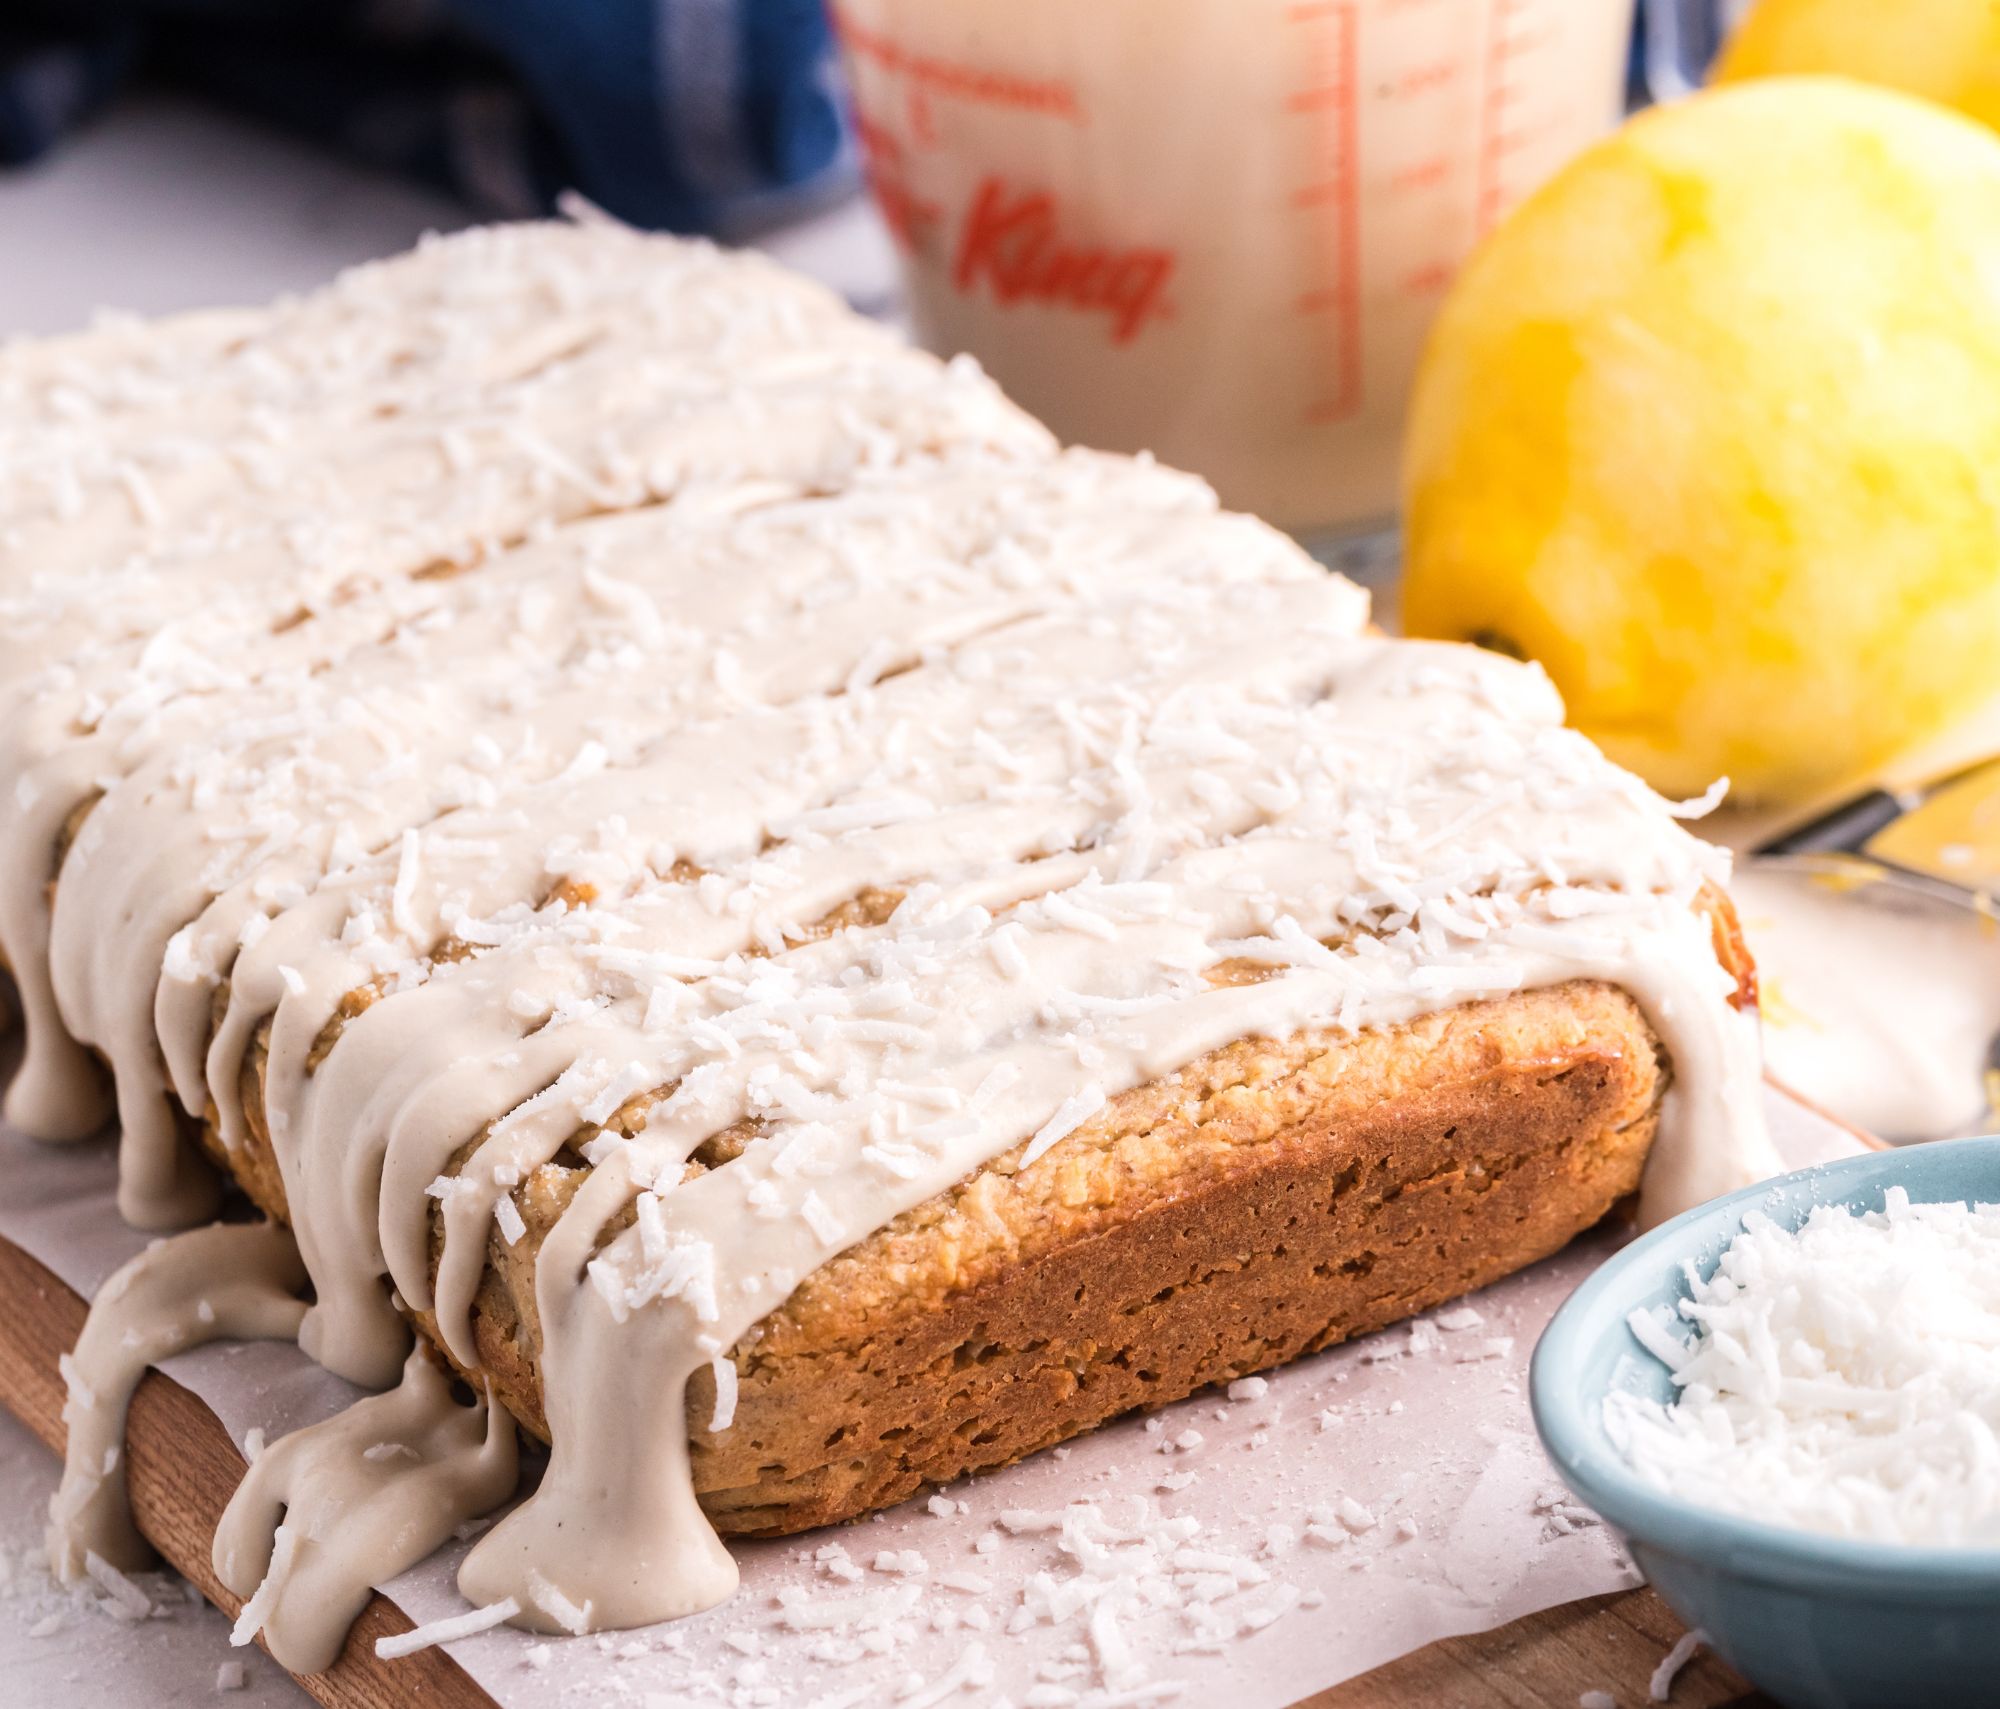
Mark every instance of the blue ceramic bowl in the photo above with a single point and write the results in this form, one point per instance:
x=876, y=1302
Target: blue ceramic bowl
x=1817, y=1622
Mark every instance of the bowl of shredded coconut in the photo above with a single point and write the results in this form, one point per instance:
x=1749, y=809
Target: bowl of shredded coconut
x=1788, y=1402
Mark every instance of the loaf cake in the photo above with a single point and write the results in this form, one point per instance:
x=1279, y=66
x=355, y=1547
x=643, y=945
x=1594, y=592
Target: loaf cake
x=691, y=853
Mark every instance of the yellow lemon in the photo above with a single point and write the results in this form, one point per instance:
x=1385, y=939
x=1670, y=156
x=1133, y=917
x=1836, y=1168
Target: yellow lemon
x=1948, y=50
x=1711, y=427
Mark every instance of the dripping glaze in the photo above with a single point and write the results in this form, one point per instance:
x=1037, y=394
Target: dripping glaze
x=363, y=1495
x=230, y=1281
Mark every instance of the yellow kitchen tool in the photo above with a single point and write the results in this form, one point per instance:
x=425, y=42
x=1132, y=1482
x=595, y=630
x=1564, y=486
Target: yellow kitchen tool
x=1952, y=833
x=1947, y=830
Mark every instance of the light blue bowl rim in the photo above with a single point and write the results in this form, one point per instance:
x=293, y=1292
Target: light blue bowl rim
x=1751, y=1549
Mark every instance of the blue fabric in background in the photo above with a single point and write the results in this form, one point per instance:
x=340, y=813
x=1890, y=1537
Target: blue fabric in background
x=693, y=115
x=1673, y=43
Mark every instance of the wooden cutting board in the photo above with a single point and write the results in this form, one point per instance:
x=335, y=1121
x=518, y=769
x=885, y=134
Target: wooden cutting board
x=183, y=1467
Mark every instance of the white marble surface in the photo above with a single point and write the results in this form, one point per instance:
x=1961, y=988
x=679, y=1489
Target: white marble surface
x=166, y=206
x=163, y=207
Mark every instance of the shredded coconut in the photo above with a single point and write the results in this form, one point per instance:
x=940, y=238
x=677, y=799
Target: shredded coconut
x=1070, y=1115
x=725, y=1392
x=125, y=1596
x=250, y=1620
x=1844, y=1378
x=445, y=1631
x=1660, y=1688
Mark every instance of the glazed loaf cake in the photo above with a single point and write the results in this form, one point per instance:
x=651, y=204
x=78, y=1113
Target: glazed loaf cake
x=689, y=851
x=1270, y=1200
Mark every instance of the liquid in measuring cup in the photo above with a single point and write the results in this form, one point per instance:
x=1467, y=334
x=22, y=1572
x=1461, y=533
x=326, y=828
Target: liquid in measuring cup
x=1216, y=229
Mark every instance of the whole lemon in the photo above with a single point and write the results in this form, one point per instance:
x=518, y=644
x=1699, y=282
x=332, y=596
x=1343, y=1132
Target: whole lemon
x=1711, y=427
x=1948, y=50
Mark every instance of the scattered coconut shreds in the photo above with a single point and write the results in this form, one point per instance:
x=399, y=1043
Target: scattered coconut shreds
x=127, y=1600
x=230, y=1676
x=1107, y=1591
x=725, y=1392
x=970, y=1583
x=250, y=1621
x=1660, y=1688
x=1353, y=1515
x=1113, y=1589
x=973, y=1669
x=1098, y=1578
x=572, y=1618
x=1597, y=1700
x=451, y=1627
x=1489, y=1347
x=835, y=1562
x=801, y=1612
x=80, y=1393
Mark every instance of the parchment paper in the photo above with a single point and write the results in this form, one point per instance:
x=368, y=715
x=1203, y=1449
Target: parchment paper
x=1370, y=1500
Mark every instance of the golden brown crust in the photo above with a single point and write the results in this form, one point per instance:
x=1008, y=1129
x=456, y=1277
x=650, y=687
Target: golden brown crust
x=1725, y=927
x=1288, y=1196
x=1272, y=1198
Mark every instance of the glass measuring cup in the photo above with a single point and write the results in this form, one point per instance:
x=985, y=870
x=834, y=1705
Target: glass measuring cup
x=1216, y=229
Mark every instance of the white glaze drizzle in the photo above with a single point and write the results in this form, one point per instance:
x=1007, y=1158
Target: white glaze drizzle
x=235, y=1281
x=326, y=1513
x=575, y=812
x=428, y=411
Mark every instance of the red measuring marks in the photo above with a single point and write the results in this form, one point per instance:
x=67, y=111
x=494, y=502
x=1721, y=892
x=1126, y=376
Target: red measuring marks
x=1326, y=100
x=1516, y=31
x=928, y=77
